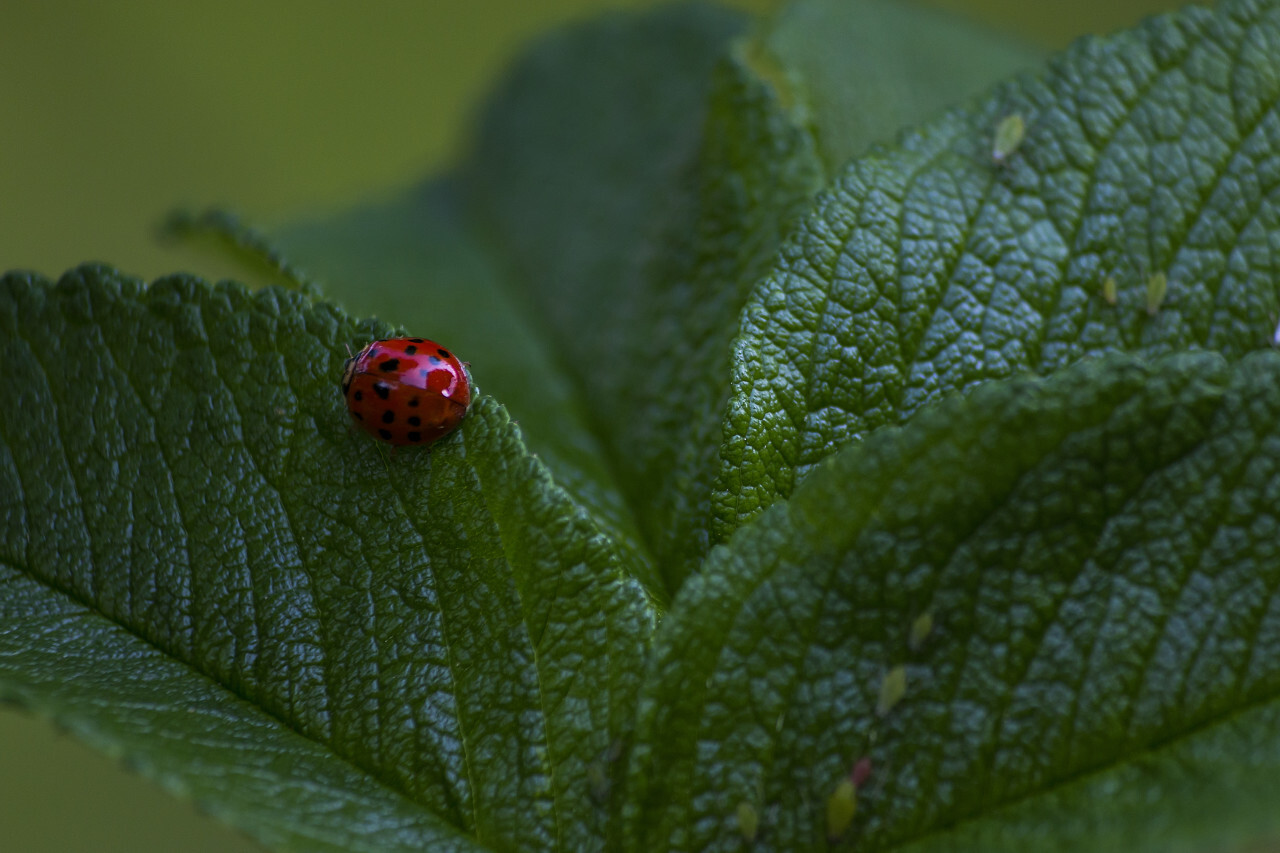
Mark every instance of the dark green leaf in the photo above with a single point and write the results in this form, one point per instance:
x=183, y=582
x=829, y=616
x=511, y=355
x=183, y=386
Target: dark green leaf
x=1099, y=552
x=444, y=633
x=929, y=268
x=638, y=208
x=206, y=571
x=414, y=262
x=124, y=696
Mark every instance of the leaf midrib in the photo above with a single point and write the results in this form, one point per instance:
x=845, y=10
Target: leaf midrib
x=196, y=672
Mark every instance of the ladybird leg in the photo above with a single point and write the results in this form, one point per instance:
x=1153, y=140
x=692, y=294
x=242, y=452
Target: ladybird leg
x=385, y=452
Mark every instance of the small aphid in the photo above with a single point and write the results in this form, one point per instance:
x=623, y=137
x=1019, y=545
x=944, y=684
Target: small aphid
x=748, y=821
x=892, y=689
x=861, y=771
x=1157, y=287
x=598, y=781
x=842, y=805
x=1110, y=292
x=1009, y=135
x=920, y=631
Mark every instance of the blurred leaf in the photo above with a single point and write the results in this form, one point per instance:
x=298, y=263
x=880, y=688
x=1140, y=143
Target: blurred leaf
x=414, y=262
x=858, y=71
x=638, y=224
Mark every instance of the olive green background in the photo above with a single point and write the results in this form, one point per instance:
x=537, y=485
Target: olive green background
x=113, y=113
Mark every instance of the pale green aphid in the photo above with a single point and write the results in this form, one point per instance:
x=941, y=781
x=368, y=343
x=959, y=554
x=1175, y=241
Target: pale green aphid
x=1157, y=287
x=598, y=781
x=1009, y=135
x=921, y=628
x=1110, y=293
x=892, y=689
x=842, y=805
x=748, y=821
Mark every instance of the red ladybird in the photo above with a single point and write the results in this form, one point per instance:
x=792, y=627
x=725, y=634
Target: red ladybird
x=406, y=390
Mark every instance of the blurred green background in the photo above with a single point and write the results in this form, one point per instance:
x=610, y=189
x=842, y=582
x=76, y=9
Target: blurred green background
x=111, y=113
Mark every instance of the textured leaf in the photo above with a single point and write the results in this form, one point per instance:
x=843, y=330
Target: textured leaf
x=639, y=223
x=1100, y=552
x=416, y=263
x=440, y=643
x=120, y=694
x=928, y=268
x=1036, y=615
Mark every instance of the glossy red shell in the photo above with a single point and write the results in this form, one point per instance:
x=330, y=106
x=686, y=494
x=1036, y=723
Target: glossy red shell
x=406, y=390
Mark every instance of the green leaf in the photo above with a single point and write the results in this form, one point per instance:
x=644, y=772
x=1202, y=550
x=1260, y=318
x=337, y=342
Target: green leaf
x=575, y=162
x=122, y=695
x=415, y=262
x=638, y=224
x=1099, y=554
x=1046, y=601
x=581, y=178
x=857, y=71
x=928, y=268
x=425, y=648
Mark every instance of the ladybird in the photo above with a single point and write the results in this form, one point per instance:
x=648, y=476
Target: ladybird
x=406, y=390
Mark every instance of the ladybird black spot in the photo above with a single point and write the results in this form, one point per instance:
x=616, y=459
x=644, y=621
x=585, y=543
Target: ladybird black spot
x=389, y=365
x=410, y=349
x=382, y=389
x=358, y=396
x=433, y=361
x=414, y=420
x=444, y=353
x=413, y=404
x=357, y=415
x=388, y=417
x=385, y=433
x=415, y=436
x=415, y=340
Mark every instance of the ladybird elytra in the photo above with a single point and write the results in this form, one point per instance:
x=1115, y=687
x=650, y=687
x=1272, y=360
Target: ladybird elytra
x=406, y=391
